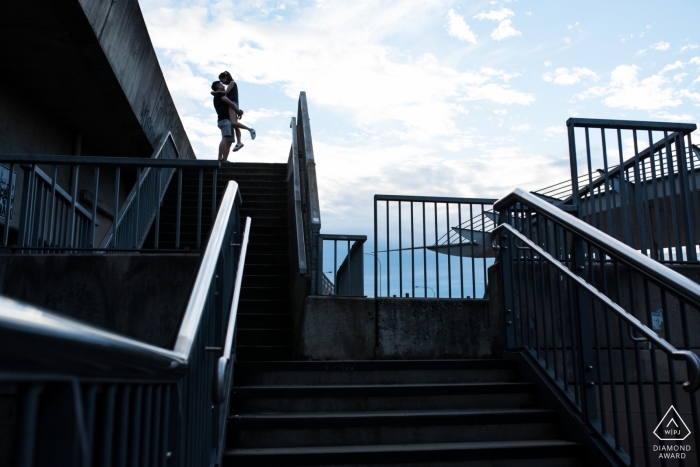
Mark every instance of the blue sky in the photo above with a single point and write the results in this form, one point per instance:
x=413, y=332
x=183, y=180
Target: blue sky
x=440, y=98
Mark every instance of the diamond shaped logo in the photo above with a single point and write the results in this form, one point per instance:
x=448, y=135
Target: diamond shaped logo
x=672, y=427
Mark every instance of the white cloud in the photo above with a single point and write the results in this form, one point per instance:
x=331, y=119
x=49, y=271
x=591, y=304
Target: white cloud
x=626, y=91
x=496, y=15
x=689, y=47
x=547, y=63
x=660, y=46
x=505, y=27
x=523, y=127
x=565, y=76
x=554, y=130
x=253, y=116
x=567, y=40
x=504, y=30
x=458, y=28
x=668, y=117
x=528, y=13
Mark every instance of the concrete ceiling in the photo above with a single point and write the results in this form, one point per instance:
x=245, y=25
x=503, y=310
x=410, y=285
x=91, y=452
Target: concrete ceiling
x=50, y=53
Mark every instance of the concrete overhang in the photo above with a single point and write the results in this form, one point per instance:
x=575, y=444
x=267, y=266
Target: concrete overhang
x=90, y=66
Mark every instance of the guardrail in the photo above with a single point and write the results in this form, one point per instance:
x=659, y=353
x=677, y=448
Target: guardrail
x=349, y=275
x=608, y=325
x=439, y=245
x=646, y=197
x=52, y=220
x=102, y=399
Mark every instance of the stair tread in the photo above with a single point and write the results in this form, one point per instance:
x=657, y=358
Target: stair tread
x=466, y=446
x=379, y=390
x=377, y=365
x=513, y=414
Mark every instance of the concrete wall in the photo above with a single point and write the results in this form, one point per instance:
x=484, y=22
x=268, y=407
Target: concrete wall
x=123, y=37
x=140, y=296
x=343, y=328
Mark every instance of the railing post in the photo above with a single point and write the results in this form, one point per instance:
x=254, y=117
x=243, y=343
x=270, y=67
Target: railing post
x=506, y=281
x=584, y=337
x=573, y=163
x=685, y=193
x=318, y=262
x=26, y=201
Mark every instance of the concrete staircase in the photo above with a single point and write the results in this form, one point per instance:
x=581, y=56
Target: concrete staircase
x=264, y=320
x=438, y=412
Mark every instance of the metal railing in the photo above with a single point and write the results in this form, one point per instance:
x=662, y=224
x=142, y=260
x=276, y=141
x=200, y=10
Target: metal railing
x=349, y=275
x=97, y=398
x=311, y=210
x=52, y=220
x=51, y=216
x=133, y=221
x=432, y=243
x=608, y=325
x=634, y=190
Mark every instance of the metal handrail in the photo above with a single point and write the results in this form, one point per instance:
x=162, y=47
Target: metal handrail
x=660, y=274
x=110, y=354
x=692, y=360
x=222, y=365
x=207, y=269
x=121, y=214
x=298, y=215
x=122, y=353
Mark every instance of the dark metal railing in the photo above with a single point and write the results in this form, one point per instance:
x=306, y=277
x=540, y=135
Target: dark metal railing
x=84, y=396
x=607, y=325
x=52, y=219
x=311, y=210
x=639, y=184
x=432, y=246
x=348, y=276
x=142, y=205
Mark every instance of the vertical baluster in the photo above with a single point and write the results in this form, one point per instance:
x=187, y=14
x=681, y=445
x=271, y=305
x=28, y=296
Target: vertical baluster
x=199, y=209
x=335, y=266
x=388, y=266
x=93, y=224
x=137, y=213
x=400, y=253
x=178, y=216
x=74, y=197
x=425, y=256
x=29, y=426
x=108, y=427
x=158, y=204
x=437, y=265
x=461, y=242
x=449, y=249
x=413, y=258
x=675, y=209
x=471, y=240
x=8, y=205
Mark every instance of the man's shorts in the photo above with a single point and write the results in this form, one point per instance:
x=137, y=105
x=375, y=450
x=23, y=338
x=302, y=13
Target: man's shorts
x=225, y=127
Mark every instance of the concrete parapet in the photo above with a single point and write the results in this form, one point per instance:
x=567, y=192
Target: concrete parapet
x=343, y=328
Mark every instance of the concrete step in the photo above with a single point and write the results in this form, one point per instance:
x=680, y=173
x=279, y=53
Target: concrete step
x=249, y=353
x=398, y=427
x=263, y=306
x=265, y=293
x=375, y=372
x=545, y=453
x=277, y=280
x=268, y=320
x=384, y=397
x=263, y=336
x=267, y=249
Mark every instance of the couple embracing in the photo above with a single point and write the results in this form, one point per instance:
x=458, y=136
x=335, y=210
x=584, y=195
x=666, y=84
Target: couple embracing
x=228, y=113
